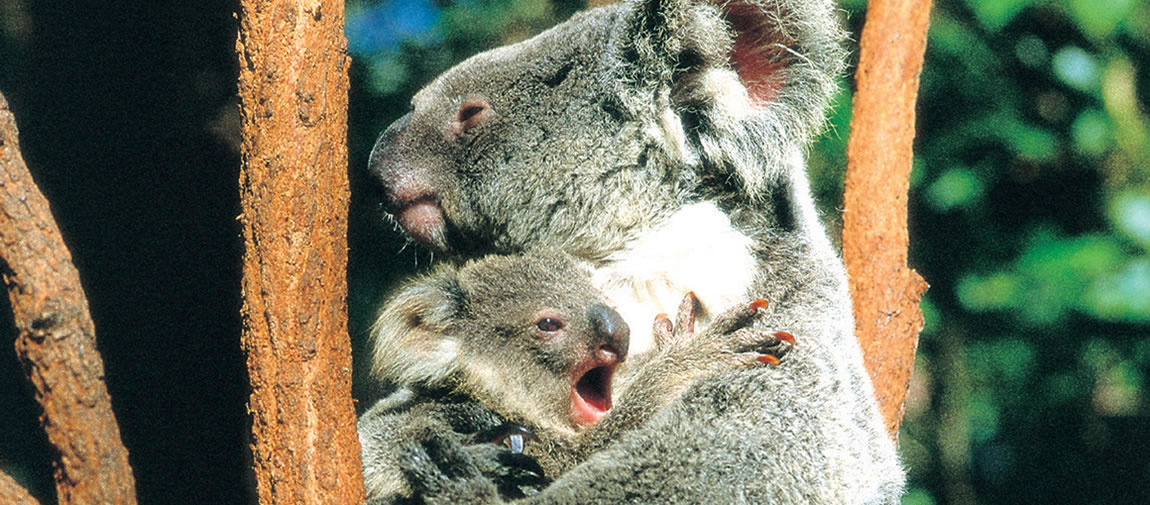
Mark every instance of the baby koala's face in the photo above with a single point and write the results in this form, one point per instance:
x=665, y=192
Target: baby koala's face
x=544, y=334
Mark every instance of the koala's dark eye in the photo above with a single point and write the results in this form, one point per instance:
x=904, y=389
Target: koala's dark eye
x=549, y=325
x=559, y=76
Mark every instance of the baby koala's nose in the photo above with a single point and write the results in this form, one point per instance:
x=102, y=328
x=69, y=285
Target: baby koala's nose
x=612, y=331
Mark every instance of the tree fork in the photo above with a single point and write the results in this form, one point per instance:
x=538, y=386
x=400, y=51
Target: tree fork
x=293, y=89
x=879, y=159
x=56, y=343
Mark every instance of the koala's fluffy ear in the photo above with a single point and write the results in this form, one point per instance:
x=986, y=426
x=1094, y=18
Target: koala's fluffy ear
x=412, y=337
x=749, y=79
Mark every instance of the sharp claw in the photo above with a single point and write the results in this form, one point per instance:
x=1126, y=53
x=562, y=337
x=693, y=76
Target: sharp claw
x=783, y=336
x=768, y=359
x=758, y=304
x=515, y=442
x=510, y=435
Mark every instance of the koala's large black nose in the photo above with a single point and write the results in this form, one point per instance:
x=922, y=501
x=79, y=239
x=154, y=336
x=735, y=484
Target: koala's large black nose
x=610, y=328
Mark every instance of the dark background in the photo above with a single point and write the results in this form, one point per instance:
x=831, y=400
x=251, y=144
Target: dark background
x=1030, y=218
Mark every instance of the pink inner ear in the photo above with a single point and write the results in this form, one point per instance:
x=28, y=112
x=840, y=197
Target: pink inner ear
x=758, y=55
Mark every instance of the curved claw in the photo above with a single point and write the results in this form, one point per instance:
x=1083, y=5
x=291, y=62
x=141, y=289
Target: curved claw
x=515, y=475
x=510, y=435
x=769, y=359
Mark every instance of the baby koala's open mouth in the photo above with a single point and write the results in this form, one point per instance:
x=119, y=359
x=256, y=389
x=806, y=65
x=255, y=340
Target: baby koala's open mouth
x=591, y=394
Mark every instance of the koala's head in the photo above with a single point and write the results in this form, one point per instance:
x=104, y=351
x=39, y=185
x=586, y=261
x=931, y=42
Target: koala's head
x=583, y=135
x=526, y=335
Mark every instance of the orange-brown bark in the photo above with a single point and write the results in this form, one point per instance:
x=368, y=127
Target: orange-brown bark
x=56, y=341
x=12, y=494
x=294, y=191
x=885, y=292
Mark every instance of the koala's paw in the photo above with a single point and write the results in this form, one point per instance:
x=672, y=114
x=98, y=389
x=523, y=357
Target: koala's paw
x=498, y=453
x=440, y=469
x=732, y=335
x=736, y=328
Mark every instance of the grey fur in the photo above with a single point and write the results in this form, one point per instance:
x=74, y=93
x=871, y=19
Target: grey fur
x=597, y=131
x=462, y=344
x=501, y=371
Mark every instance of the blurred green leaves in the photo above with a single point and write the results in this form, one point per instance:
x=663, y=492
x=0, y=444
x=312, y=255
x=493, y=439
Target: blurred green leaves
x=995, y=14
x=1077, y=68
x=1094, y=275
x=1130, y=212
x=1100, y=18
x=955, y=188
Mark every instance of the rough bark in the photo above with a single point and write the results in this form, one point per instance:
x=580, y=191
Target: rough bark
x=294, y=191
x=56, y=341
x=12, y=494
x=885, y=292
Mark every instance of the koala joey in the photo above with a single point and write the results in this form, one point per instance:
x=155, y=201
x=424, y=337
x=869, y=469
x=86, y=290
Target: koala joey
x=527, y=337
x=662, y=142
x=523, y=347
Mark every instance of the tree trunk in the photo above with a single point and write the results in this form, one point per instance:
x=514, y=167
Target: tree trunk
x=294, y=191
x=56, y=343
x=885, y=292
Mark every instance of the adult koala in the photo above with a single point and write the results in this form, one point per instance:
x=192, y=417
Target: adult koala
x=615, y=135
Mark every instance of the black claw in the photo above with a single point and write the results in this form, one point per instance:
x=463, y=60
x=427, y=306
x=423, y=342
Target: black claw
x=510, y=435
x=524, y=476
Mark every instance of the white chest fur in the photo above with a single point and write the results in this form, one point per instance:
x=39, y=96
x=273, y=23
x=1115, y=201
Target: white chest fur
x=697, y=250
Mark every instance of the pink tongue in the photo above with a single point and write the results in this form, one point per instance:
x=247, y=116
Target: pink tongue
x=591, y=396
x=584, y=412
x=423, y=220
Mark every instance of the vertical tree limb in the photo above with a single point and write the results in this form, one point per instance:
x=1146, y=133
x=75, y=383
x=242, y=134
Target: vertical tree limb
x=56, y=341
x=293, y=91
x=885, y=292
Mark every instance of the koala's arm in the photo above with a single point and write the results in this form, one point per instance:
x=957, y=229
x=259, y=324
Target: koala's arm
x=383, y=431
x=683, y=357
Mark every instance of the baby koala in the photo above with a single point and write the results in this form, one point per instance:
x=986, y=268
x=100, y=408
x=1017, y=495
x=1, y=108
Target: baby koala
x=508, y=348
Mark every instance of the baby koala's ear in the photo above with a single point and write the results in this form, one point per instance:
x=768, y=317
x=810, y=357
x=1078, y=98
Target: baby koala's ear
x=412, y=340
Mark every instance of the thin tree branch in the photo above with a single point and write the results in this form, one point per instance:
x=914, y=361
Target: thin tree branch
x=885, y=292
x=12, y=493
x=293, y=91
x=56, y=343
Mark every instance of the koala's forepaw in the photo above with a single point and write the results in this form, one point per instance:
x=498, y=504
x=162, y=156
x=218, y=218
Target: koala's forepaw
x=443, y=471
x=731, y=338
x=767, y=349
x=749, y=344
x=434, y=464
x=498, y=453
